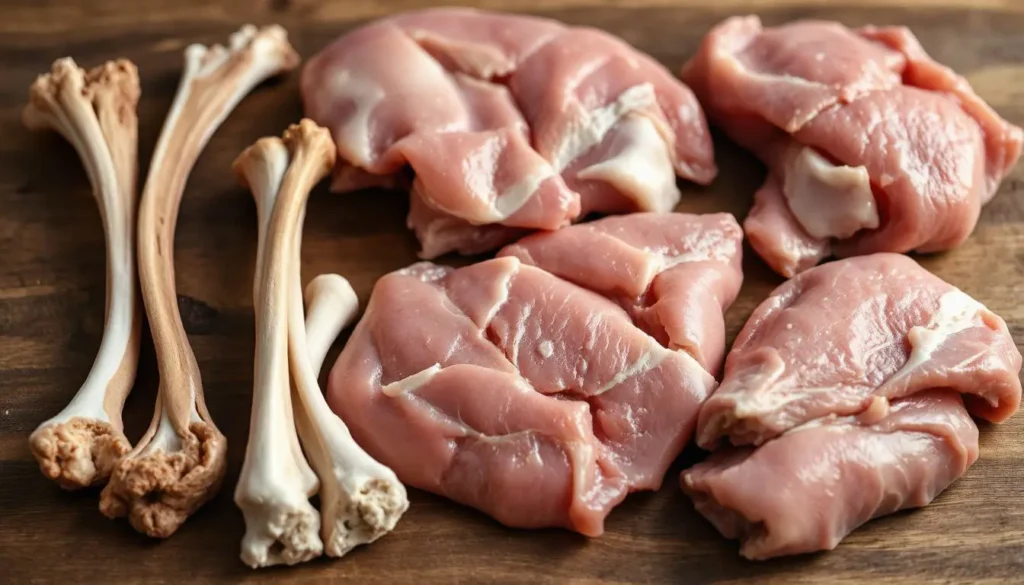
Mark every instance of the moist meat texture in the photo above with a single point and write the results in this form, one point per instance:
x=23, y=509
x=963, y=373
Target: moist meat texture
x=871, y=145
x=848, y=395
x=534, y=398
x=509, y=123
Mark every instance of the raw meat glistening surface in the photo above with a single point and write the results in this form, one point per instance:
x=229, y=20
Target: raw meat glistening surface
x=871, y=145
x=509, y=123
x=531, y=398
x=662, y=268
x=847, y=396
x=808, y=489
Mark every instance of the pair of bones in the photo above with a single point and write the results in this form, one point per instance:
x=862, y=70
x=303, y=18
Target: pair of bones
x=179, y=463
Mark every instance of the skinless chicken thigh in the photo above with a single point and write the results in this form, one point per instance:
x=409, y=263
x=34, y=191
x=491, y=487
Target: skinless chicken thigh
x=534, y=397
x=871, y=145
x=510, y=123
x=848, y=395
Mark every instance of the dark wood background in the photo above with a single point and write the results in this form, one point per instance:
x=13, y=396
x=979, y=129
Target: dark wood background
x=52, y=296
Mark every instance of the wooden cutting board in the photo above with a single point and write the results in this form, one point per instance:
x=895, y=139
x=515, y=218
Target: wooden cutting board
x=52, y=298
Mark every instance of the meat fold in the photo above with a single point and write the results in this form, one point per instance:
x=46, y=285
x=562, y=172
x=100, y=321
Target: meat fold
x=675, y=273
x=525, y=395
x=835, y=339
x=848, y=395
x=808, y=489
x=871, y=145
x=509, y=123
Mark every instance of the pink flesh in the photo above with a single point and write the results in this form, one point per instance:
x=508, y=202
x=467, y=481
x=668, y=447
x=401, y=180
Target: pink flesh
x=870, y=98
x=549, y=404
x=476, y=102
x=838, y=336
x=848, y=395
x=777, y=236
x=495, y=165
x=806, y=490
x=675, y=273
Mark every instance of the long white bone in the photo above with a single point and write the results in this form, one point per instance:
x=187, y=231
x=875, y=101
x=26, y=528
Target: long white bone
x=179, y=463
x=96, y=113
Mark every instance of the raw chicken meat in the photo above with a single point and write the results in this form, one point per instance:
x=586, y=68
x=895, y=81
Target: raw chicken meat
x=529, y=397
x=806, y=490
x=510, y=123
x=871, y=145
x=660, y=267
x=848, y=395
x=833, y=340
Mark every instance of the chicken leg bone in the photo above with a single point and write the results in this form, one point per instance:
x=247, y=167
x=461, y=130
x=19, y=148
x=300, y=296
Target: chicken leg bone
x=360, y=498
x=179, y=464
x=276, y=482
x=96, y=113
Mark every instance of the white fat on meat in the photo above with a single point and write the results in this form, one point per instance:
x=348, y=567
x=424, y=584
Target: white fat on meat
x=410, y=383
x=957, y=311
x=512, y=199
x=662, y=259
x=641, y=164
x=546, y=349
x=364, y=95
x=829, y=201
x=481, y=183
x=590, y=127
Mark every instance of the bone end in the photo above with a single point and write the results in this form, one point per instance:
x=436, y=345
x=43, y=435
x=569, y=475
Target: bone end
x=112, y=86
x=266, y=152
x=373, y=512
x=158, y=491
x=117, y=83
x=315, y=140
x=78, y=453
x=280, y=535
x=44, y=96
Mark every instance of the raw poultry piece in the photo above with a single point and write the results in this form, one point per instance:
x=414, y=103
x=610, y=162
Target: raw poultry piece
x=871, y=364
x=361, y=499
x=533, y=399
x=510, y=123
x=675, y=273
x=807, y=489
x=95, y=112
x=871, y=145
x=834, y=340
x=179, y=463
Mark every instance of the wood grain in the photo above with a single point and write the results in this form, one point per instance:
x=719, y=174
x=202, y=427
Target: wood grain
x=52, y=295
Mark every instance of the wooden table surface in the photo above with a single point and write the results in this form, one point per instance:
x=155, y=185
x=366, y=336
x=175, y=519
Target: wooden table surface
x=52, y=297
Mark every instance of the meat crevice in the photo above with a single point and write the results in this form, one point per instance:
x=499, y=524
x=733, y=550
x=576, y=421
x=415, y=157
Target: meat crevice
x=871, y=100
x=518, y=386
x=848, y=395
x=510, y=123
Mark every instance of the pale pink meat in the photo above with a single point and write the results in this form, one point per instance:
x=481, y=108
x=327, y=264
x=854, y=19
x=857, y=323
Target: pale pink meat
x=893, y=329
x=848, y=395
x=771, y=224
x=862, y=103
x=531, y=398
x=675, y=273
x=808, y=489
x=506, y=120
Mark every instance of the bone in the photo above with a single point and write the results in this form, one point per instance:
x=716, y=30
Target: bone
x=273, y=491
x=361, y=500
x=179, y=463
x=96, y=112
